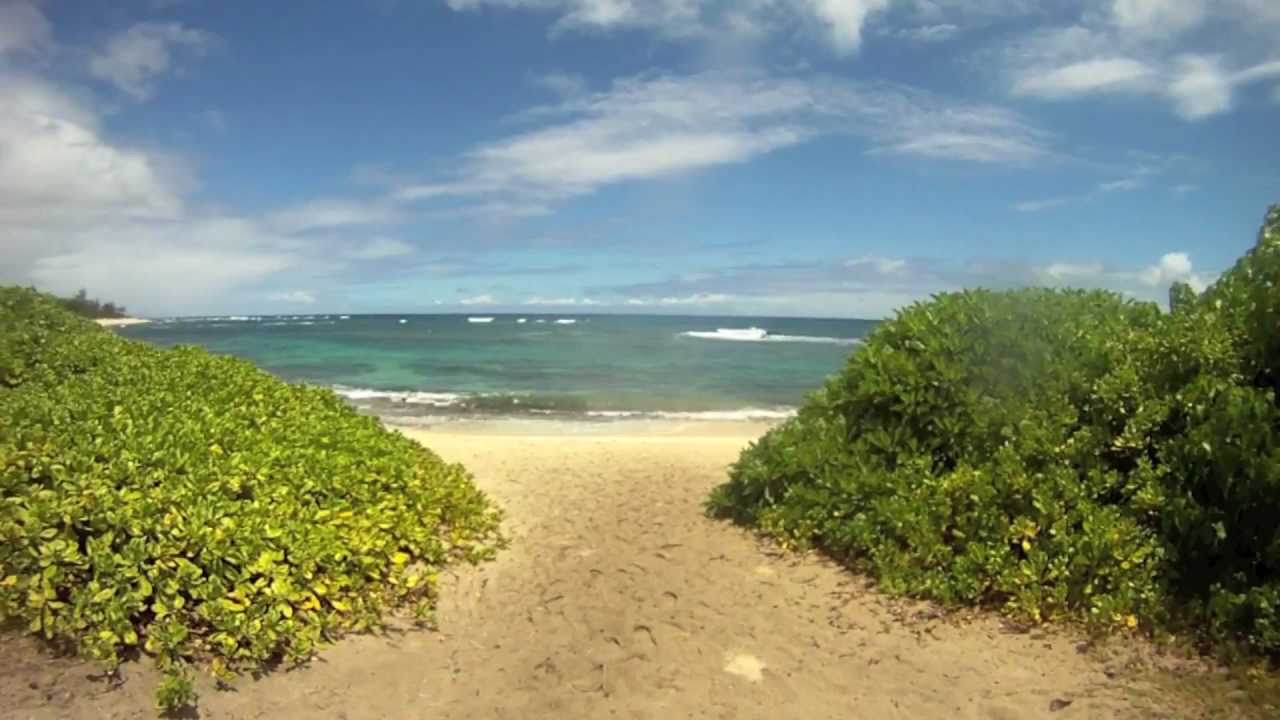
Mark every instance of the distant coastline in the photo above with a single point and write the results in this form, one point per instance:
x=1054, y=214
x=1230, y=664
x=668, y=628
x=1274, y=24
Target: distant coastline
x=120, y=322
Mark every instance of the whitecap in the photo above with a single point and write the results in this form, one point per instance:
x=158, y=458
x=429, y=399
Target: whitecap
x=413, y=397
x=749, y=413
x=755, y=334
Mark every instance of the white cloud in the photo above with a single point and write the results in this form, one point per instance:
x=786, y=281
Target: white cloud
x=1030, y=206
x=656, y=126
x=380, y=249
x=77, y=210
x=23, y=28
x=1147, y=49
x=1165, y=17
x=1173, y=267
x=621, y=154
x=1148, y=282
x=1062, y=271
x=158, y=267
x=1201, y=87
x=1147, y=165
x=1095, y=75
x=478, y=300
x=1122, y=185
x=839, y=22
x=844, y=20
x=928, y=33
x=56, y=167
x=1262, y=71
x=132, y=59
x=293, y=297
x=881, y=265
x=560, y=301
x=677, y=300
x=982, y=148
x=1184, y=188
x=833, y=287
x=328, y=213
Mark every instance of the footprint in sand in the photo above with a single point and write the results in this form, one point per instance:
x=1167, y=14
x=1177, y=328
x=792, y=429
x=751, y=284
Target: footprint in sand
x=743, y=665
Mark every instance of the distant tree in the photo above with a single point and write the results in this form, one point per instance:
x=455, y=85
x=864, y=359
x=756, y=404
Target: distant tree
x=82, y=304
x=1181, y=296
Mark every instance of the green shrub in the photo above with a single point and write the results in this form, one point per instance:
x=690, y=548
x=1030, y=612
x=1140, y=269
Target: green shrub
x=175, y=693
x=199, y=509
x=1053, y=452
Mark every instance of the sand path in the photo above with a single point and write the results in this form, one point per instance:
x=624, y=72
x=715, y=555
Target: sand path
x=617, y=598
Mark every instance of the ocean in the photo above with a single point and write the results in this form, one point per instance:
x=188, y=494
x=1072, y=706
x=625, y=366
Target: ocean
x=430, y=368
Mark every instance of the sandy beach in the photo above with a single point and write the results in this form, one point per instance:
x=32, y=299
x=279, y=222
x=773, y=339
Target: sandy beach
x=120, y=322
x=618, y=598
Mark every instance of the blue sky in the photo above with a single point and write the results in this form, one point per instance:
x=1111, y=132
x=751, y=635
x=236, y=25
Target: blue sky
x=781, y=157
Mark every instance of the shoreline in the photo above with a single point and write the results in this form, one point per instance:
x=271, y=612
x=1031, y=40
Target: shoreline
x=667, y=430
x=120, y=322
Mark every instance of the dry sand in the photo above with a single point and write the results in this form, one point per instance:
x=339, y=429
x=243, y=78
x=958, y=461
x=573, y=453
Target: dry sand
x=618, y=598
x=120, y=322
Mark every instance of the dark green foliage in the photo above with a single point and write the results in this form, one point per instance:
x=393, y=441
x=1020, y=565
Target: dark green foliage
x=82, y=304
x=199, y=509
x=1055, y=452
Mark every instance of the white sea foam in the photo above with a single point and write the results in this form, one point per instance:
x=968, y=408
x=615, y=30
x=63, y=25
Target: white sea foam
x=754, y=334
x=481, y=320
x=344, y=317
x=745, y=334
x=725, y=415
x=403, y=321
x=565, y=321
x=413, y=397
x=521, y=321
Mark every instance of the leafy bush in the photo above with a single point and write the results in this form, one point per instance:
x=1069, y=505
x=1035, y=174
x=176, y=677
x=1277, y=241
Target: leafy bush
x=1054, y=452
x=199, y=509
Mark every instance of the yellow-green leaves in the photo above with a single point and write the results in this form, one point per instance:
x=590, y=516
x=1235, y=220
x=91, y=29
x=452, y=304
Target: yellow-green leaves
x=201, y=507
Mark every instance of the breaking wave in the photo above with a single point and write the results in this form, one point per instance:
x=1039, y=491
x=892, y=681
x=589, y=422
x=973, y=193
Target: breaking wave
x=754, y=334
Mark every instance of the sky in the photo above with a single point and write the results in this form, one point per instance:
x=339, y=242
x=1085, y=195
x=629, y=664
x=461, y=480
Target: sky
x=832, y=158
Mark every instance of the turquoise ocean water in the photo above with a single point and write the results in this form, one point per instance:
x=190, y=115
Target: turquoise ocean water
x=564, y=366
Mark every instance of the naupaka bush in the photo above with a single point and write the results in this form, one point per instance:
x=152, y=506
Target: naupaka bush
x=198, y=509
x=1055, y=452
